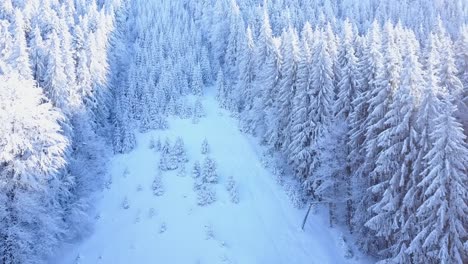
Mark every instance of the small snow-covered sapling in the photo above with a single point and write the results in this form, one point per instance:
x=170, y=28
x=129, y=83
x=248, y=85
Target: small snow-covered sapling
x=125, y=173
x=196, y=171
x=108, y=183
x=206, y=195
x=205, y=148
x=157, y=186
x=125, y=204
x=163, y=227
x=158, y=145
x=181, y=172
x=232, y=190
x=138, y=216
x=179, y=150
x=209, y=233
x=209, y=173
x=152, y=143
x=151, y=213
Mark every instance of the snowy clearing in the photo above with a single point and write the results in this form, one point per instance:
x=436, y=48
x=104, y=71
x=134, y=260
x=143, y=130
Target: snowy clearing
x=263, y=227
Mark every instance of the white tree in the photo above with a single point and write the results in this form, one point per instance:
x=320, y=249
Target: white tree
x=179, y=150
x=392, y=172
x=209, y=173
x=205, y=147
x=33, y=152
x=278, y=134
x=246, y=76
x=197, y=80
x=221, y=91
x=443, y=214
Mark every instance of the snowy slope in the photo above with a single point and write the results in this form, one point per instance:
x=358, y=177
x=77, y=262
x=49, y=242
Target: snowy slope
x=262, y=228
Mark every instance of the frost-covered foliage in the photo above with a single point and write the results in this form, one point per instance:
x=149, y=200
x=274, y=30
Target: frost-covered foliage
x=197, y=175
x=204, y=179
x=206, y=195
x=179, y=151
x=157, y=185
x=125, y=203
x=209, y=173
x=349, y=93
x=365, y=111
x=198, y=111
x=54, y=116
x=152, y=74
x=231, y=187
x=205, y=147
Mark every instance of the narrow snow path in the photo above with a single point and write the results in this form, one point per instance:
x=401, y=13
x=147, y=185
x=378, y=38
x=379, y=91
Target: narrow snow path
x=262, y=228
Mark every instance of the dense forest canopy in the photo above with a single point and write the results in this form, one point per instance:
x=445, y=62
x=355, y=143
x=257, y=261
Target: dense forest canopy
x=365, y=101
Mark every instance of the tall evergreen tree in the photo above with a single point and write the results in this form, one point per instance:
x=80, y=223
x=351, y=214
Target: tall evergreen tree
x=443, y=214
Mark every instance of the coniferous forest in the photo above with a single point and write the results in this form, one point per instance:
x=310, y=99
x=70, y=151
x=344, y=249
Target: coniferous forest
x=363, y=105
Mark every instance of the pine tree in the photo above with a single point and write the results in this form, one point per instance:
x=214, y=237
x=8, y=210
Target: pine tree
x=443, y=214
x=179, y=151
x=347, y=74
x=234, y=42
x=246, y=76
x=429, y=107
x=209, y=173
x=197, y=80
x=33, y=153
x=266, y=58
x=221, y=91
x=448, y=70
x=392, y=172
x=19, y=54
x=370, y=108
x=278, y=135
x=299, y=151
x=321, y=105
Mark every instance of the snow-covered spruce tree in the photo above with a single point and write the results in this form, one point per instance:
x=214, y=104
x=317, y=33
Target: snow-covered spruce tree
x=428, y=109
x=347, y=74
x=221, y=91
x=234, y=43
x=33, y=151
x=347, y=90
x=179, y=151
x=448, y=71
x=443, y=213
x=157, y=185
x=232, y=189
x=152, y=143
x=392, y=172
x=197, y=175
x=19, y=54
x=198, y=111
x=169, y=160
x=197, y=80
x=266, y=71
x=321, y=109
x=299, y=152
x=365, y=126
x=54, y=80
x=280, y=131
x=206, y=195
x=461, y=58
x=209, y=173
x=266, y=121
x=219, y=33
x=205, y=147
x=123, y=138
x=243, y=89
x=206, y=66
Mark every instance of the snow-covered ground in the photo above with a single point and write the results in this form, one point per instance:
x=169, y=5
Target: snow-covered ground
x=263, y=227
